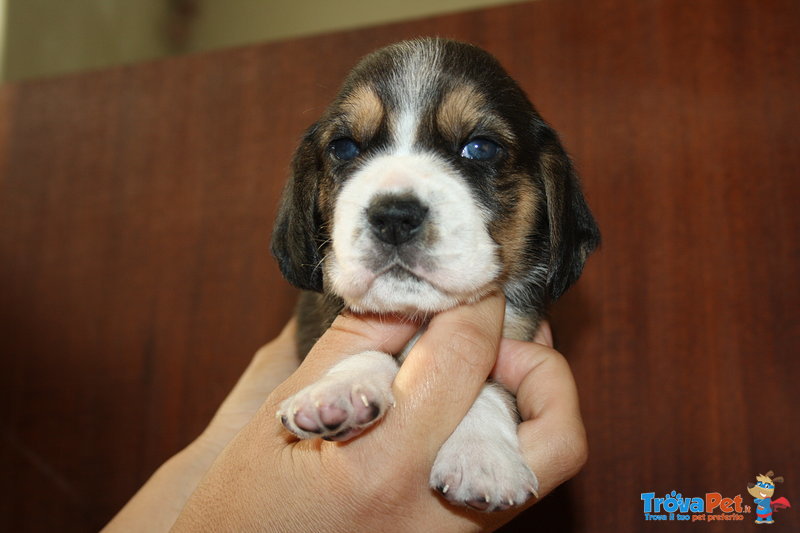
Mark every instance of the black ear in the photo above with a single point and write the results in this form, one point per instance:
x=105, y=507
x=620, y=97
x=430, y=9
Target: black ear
x=573, y=233
x=296, y=237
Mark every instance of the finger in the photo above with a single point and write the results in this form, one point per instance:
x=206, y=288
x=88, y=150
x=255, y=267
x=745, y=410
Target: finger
x=516, y=360
x=444, y=372
x=552, y=436
x=348, y=335
x=544, y=335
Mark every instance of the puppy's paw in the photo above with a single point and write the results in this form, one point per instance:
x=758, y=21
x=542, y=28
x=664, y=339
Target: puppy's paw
x=485, y=474
x=336, y=408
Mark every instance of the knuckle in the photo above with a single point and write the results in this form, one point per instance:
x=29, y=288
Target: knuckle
x=573, y=450
x=352, y=326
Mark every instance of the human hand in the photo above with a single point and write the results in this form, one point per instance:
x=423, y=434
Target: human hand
x=160, y=500
x=266, y=479
x=272, y=364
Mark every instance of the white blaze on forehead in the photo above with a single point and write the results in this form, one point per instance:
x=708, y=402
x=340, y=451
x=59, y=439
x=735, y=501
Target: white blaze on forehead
x=405, y=132
x=414, y=81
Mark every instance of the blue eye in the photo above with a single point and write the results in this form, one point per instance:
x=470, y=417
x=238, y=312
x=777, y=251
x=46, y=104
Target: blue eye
x=344, y=149
x=480, y=150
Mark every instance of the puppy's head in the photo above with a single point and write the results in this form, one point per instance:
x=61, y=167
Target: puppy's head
x=430, y=181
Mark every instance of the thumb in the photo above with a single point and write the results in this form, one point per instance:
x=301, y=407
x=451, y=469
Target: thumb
x=444, y=373
x=349, y=334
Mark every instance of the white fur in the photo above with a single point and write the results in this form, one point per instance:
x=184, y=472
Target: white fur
x=481, y=461
x=459, y=263
x=417, y=70
x=351, y=387
x=405, y=132
x=458, y=266
x=455, y=262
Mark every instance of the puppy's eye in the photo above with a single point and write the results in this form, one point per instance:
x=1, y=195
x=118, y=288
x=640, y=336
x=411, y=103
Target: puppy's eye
x=480, y=150
x=344, y=149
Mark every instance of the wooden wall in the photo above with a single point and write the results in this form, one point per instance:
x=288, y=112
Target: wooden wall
x=135, y=280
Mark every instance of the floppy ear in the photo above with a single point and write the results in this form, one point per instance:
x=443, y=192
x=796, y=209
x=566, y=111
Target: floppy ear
x=296, y=237
x=573, y=233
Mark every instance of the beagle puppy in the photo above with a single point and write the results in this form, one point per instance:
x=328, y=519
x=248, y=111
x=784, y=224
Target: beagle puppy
x=429, y=182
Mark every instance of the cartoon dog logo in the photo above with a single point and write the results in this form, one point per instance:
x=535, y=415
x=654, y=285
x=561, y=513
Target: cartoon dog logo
x=762, y=491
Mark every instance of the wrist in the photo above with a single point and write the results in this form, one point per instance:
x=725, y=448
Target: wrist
x=160, y=500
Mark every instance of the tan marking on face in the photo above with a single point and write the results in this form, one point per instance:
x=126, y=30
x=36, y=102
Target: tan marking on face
x=511, y=232
x=464, y=109
x=460, y=112
x=364, y=111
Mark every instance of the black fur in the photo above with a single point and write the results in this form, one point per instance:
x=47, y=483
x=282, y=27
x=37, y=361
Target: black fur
x=573, y=233
x=297, y=237
x=562, y=236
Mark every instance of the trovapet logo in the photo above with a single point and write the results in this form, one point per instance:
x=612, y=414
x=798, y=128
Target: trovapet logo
x=711, y=506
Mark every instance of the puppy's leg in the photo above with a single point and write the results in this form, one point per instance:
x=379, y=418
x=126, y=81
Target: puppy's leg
x=350, y=397
x=481, y=465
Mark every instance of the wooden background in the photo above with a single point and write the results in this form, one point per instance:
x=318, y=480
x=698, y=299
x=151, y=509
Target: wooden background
x=135, y=280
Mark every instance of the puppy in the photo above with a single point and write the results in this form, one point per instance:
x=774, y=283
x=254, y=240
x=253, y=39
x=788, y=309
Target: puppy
x=429, y=182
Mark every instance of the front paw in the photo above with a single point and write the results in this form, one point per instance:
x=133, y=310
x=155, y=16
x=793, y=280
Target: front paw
x=335, y=408
x=485, y=474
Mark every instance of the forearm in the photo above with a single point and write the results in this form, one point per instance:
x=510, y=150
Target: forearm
x=158, y=503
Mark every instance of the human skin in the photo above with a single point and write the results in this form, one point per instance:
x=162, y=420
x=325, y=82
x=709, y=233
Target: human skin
x=246, y=472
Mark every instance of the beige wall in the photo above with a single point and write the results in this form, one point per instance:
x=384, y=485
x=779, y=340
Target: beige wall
x=46, y=37
x=50, y=37
x=243, y=21
x=2, y=37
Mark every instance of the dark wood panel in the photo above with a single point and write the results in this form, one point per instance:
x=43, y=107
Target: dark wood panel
x=135, y=281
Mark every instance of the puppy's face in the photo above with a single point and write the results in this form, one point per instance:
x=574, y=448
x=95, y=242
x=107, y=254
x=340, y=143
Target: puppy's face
x=429, y=182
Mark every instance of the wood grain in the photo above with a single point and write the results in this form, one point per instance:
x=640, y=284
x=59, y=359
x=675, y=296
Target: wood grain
x=136, y=205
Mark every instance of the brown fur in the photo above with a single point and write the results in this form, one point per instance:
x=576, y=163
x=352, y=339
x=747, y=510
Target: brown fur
x=511, y=231
x=530, y=194
x=363, y=111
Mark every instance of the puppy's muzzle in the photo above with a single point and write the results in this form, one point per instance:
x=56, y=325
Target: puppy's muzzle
x=396, y=220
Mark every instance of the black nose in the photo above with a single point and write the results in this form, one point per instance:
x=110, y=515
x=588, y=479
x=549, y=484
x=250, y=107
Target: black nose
x=396, y=219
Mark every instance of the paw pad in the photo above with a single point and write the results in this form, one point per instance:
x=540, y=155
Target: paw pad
x=334, y=410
